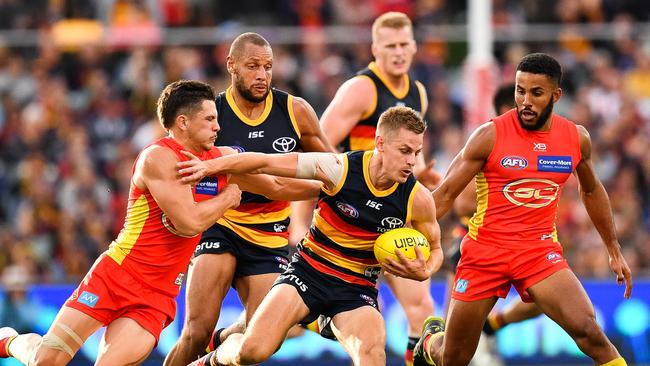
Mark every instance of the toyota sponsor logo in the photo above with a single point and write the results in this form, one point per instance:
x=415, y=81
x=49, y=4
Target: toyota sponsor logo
x=392, y=222
x=347, y=210
x=532, y=193
x=284, y=144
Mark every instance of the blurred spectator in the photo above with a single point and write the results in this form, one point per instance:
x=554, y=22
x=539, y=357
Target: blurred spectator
x=15, y=310
x=71, y=119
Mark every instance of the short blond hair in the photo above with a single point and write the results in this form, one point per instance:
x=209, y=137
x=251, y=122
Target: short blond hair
x=392, y=19
x=395, y=118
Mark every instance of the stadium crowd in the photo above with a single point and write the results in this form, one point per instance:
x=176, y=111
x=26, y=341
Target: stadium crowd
x=71, y=120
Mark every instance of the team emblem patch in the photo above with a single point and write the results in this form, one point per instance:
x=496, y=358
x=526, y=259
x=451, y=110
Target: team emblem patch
x=514, y=162
x=347, y=210
x=89, y=299
x=461, y=286
x=553, y=257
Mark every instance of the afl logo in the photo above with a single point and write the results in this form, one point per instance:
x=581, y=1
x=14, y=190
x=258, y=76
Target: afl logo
x=347, y=210
x=284, y=144
x=514, y=162
x=533, y=193
x=391, y=222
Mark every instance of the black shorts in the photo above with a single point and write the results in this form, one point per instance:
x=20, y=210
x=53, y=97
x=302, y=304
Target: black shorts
x=252, y=259
x=325, y=294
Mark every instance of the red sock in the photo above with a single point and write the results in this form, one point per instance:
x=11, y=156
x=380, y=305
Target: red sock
x=4, y=346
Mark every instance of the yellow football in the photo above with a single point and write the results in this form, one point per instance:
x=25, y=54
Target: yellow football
x=404, y=239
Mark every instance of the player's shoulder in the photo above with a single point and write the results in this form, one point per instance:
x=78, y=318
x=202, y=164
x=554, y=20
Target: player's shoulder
x=485, y=131
x=154, y=152
x=300, y=104
x=423, y=200
x=359, y=83
x=226, y=150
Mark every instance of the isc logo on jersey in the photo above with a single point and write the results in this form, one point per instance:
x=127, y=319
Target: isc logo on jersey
x=530, y=192
x=514, y=162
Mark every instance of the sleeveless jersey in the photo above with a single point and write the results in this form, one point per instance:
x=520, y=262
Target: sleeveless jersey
x=148, y=246
x=350, y=217
x=362, y=135
x=258, y=219
x=521, y=182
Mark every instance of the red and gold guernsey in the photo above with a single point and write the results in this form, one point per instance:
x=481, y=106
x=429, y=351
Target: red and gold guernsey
x=520, y=184
x=148, y=247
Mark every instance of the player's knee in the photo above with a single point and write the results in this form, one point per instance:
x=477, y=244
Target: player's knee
x=457, y=355
x=370, y=352
x=418, y=311
x=48, y=357
x=197, y=333
x=586, y=331
x=252, y=352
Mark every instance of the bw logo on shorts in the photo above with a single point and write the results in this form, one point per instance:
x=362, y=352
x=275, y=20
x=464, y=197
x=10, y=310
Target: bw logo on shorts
x=461, y=286
x=89, y=299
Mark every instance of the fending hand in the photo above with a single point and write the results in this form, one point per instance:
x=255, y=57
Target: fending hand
x=192, y=170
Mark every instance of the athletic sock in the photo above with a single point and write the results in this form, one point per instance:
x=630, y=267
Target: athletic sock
x=313, y=326
x=616, y=362
x=4, y=346
x=410, y=346
x=493, y=323
x=426, y=344
x=215, y=340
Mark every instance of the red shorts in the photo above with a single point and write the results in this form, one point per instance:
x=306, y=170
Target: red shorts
x=485, y=271
x=108, y=293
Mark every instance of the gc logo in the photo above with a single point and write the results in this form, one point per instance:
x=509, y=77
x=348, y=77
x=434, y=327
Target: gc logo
x=391, y=222
x=533, y=193
x=284, y=144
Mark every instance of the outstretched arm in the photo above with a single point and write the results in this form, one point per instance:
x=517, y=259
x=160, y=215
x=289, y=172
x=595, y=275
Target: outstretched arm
x=423, y=220
x=464, y=167
x=277, y=188
x=325, y=167
x=596, y=201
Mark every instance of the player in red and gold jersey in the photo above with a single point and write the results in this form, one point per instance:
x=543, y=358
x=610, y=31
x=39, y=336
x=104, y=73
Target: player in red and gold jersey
x=521, y=161
x=131, y=287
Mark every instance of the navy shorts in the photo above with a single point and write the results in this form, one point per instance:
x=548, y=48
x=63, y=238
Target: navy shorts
x=252, y=259
x=325, y=294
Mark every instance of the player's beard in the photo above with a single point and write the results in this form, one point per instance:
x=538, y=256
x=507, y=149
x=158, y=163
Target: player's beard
x=541, y=118
x=246, y=93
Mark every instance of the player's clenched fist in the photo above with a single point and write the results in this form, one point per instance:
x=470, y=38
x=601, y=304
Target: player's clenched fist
x=233, y=192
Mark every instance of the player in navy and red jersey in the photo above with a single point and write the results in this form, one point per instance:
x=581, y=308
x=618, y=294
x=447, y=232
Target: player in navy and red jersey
x=350, y=121
x=521, y=161
x=335, y=271
x=248, y=247
x=131, y=287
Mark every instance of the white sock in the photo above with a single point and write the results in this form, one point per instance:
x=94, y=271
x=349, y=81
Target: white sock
x=24, y=346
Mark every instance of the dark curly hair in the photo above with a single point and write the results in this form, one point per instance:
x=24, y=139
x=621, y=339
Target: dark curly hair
x=541, y=63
